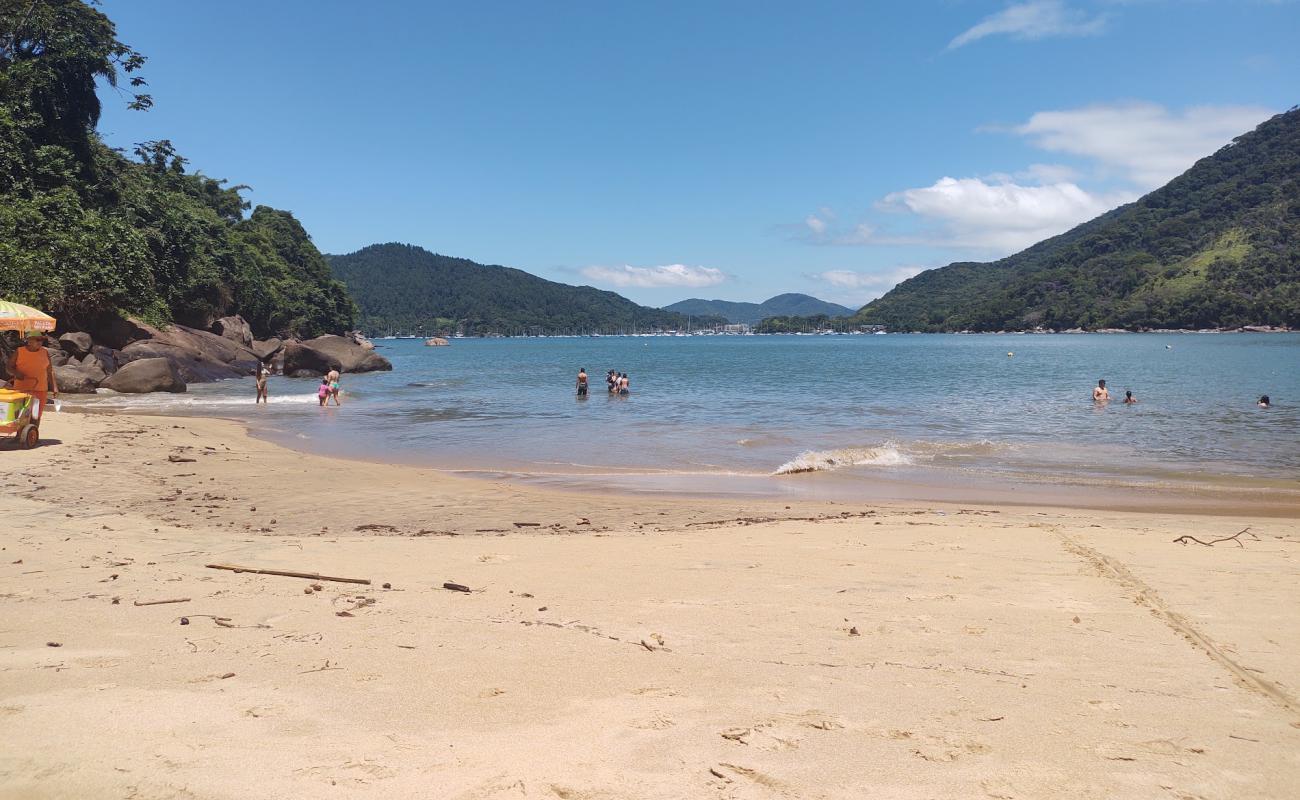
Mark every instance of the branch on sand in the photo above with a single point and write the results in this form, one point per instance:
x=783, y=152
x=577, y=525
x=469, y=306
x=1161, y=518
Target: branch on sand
x=1234, y=538
x=311, y=576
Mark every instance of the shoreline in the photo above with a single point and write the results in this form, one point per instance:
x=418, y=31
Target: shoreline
x=614, y=646
x=1216, y=495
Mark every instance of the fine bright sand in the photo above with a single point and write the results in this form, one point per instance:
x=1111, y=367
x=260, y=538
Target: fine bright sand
x=620, y=647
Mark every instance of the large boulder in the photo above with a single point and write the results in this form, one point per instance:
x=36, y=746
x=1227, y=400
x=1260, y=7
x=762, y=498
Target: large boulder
x=146, y=375
x=301, y=361
x=268, y=349
x=98, y=365
x=75, y=344
x=235, y=329
x=352, y=356
x=74, y=380
x=115, y=331
x=198, y=355
x=57, y=357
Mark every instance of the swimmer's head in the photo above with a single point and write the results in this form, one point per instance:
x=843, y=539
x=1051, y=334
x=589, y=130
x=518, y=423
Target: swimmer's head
x=1263, y=400
x=1102, y=383
x=1128, y=394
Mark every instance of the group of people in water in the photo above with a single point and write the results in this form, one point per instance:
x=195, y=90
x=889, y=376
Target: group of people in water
x=616, y=383
x=1101, y=396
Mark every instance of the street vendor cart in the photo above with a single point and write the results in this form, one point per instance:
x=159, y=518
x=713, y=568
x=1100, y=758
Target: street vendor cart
x=21, y=411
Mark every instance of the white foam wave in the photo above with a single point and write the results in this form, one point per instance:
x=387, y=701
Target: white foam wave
x=886, y=455
x=162, y=401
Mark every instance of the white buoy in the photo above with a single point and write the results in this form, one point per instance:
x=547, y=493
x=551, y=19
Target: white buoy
x=1010, y=354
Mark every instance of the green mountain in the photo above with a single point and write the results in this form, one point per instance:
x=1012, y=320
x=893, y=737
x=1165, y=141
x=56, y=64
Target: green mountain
x=783, y=305
x=404, y=288
x=1218, y=246
x=85, y=230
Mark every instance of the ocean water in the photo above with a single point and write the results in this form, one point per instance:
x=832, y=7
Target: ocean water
x=836, y=415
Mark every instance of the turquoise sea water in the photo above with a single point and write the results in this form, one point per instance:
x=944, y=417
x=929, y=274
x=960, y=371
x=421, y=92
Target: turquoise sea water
x=784, y=413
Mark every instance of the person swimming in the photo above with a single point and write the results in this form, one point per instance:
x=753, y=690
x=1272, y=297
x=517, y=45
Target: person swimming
x=1129, y=399
x=1264, y=401
x=1101, y=394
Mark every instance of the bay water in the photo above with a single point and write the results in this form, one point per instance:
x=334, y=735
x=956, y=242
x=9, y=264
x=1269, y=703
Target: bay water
x=838, y=416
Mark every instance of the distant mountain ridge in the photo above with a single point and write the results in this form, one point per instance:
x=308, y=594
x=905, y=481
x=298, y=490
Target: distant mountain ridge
x=1216, y=247
x=783, y=305
x=407, y=289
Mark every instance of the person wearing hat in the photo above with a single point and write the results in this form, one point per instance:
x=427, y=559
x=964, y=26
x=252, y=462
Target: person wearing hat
x=32, y=371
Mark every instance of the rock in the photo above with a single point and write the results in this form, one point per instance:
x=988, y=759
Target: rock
x=74, y=380
x=235, y=329
x=267, y=349
x=146, y=375
x=351, y=356
x=57, y=357
x=98, y=366
x=301, y=361
x=115, y=331
x=436, y=341
x=75, y=345
x=198, y=355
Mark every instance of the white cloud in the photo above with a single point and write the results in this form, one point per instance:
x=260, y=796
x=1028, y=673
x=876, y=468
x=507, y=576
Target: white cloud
x=1038, y=19
x=852, y=279
x=815, y=224
x=656, y=277
x=860, y=287
x=1001, y=216
x=1145, y=142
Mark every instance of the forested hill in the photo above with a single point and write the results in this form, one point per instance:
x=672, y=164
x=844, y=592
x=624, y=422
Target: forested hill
x=1218, y=246
x=85, y=230
x=783, y=305
x=406, y=289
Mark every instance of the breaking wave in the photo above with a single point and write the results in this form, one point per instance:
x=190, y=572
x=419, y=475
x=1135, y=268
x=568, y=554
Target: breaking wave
x=892, y=454
x=886, y=455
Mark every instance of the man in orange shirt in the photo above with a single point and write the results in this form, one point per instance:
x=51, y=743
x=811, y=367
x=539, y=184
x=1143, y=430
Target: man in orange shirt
x=32, y=372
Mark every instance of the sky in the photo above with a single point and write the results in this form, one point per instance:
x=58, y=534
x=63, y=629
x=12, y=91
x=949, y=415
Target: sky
x=731, y=150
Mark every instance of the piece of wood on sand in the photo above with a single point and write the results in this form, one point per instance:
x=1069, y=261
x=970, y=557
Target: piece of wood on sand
x=162, y=602
x=311, y=576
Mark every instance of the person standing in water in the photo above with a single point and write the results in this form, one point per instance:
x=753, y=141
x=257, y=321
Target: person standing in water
x=611, y=382
x=262, y=374
x=623, y=384
x=1263, y=401
x=582, y=381
x=323, y=393
x=1129, y=399
x=333, y=378
x=1101, y=394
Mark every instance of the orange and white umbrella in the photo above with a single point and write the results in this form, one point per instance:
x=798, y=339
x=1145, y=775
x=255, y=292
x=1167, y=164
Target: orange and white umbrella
x=18, y=317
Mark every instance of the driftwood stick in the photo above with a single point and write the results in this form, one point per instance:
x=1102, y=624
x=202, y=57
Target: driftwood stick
x=311, y=576
x=162, y=602
x=1185, y=538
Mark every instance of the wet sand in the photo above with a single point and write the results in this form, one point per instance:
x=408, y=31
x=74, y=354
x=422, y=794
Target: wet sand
x=615, y=646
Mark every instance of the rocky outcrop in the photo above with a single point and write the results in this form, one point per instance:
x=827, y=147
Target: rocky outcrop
x=235, y=329
x=75, y=345
x=57, y=357
x=111, y=330
x=301, y=361
x=98, y=365
x=146, y=375
x=74, y=380
x=198, y=355
x=266, y=350
x=351, y=356
x=436, y=341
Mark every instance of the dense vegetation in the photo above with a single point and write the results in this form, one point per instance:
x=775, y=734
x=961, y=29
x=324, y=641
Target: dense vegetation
x=401, y=288
x=86, y=230
x=1219, y=246
x=783, y=305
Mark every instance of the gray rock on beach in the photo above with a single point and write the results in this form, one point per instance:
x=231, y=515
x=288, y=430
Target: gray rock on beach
x=235, y=329
x=301, y=361
x=351, y=356
x=267, y=349
x=146, y=375
x=198, y=355
x=74, y=380
x=76, y=345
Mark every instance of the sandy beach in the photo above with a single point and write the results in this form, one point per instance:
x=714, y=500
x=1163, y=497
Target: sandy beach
x=614, y=646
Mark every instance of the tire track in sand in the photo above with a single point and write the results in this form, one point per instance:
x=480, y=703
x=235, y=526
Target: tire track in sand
x=1145, y=595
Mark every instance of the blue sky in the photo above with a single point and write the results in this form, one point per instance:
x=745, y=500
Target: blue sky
x=704, y=149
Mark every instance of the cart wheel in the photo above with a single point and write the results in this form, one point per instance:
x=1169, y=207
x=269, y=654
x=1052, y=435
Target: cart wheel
x=29, y=436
